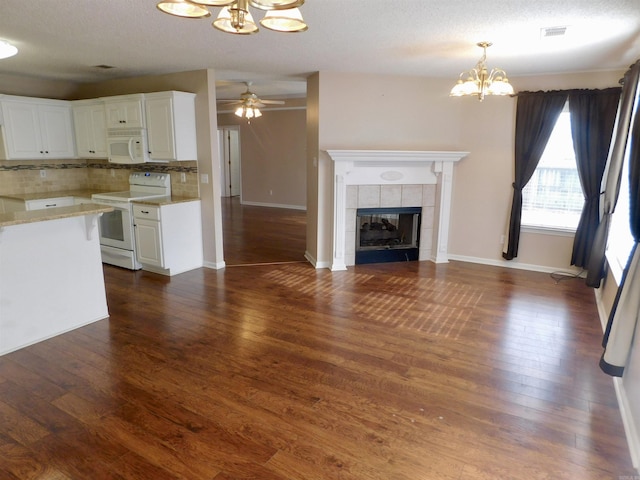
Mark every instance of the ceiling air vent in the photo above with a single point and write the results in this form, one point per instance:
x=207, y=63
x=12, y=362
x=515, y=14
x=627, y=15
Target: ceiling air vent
x=103, y=67
x=548, y=32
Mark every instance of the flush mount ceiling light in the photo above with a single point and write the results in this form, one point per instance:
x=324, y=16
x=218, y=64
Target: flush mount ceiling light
x=7, y=50
x=478, y=81
x=235, y=17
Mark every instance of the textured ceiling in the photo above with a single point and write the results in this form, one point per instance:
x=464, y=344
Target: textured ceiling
x=66, y=39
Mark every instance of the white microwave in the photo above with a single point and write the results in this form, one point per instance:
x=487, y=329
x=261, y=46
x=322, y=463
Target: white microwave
x=127, y=145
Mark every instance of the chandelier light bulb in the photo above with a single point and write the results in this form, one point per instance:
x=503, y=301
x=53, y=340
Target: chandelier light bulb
x=7, y=50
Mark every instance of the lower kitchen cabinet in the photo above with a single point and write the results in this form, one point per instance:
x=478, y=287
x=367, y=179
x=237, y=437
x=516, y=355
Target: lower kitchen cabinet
x=168, y=237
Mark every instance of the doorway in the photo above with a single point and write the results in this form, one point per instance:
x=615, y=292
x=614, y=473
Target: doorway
x=229, y=142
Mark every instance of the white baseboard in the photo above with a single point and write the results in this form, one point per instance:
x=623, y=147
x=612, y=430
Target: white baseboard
x=630, y=430
x=313, y=261
x=274, y=205
x=633, y=439
x=214, y=265
x=516, y=265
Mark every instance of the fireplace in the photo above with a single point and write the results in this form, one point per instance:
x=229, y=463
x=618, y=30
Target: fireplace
x=391, y=179
x=387, y=234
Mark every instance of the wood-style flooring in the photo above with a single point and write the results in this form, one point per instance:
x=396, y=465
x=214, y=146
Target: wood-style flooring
x=254, y=234
x=405, y=371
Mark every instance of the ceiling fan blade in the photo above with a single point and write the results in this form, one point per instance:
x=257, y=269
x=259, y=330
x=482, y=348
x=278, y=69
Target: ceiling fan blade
x=272, y=102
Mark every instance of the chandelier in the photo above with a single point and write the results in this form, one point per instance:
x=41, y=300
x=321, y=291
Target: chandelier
x=478, y=81
x=235, y=17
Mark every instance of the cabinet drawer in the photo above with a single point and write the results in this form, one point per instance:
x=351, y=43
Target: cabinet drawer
x=49, y=203
x=149, y=212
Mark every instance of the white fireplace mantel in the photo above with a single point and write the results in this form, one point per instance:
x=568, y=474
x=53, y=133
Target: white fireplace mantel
x=393, y=167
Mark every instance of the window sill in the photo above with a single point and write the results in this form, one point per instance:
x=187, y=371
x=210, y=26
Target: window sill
x=557, y=231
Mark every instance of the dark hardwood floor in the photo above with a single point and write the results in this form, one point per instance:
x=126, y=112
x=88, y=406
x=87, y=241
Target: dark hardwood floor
x=406, y=371
x=262, y=234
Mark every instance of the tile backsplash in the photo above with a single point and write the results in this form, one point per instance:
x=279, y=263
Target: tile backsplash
x=33, y=176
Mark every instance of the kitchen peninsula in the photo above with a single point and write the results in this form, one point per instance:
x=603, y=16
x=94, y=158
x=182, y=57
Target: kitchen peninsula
x=51, y=277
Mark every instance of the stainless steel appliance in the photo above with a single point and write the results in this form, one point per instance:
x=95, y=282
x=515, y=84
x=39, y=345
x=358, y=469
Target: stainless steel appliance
x=117, y=235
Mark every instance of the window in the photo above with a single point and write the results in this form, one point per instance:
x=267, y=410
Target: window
x=620, y=241
x=553, y=197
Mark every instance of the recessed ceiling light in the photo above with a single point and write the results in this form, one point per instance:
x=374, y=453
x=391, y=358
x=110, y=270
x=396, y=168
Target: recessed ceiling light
x=7, y=50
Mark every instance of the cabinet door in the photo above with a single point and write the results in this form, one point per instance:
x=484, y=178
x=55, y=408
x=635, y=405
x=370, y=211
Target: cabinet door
x=90, y=128
x=57, y=135
x=125, y=114
x=149, y=242
x=22, y=130
x=82, y=126
x=160, y=131
x=99, y=131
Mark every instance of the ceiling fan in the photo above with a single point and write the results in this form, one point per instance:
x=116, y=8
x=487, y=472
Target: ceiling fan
x=249, y=104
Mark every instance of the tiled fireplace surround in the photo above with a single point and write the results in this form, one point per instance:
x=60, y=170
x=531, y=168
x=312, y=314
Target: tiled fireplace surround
x=392, y=178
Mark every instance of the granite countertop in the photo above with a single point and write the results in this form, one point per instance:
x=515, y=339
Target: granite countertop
x=85, y=193
x=31, y=216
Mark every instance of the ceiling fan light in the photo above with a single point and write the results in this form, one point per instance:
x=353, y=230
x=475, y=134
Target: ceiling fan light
x=235, y=20
x=182, y=8
x=248, y=112
x=284, y=21
x=276, y=4
x=7, y=50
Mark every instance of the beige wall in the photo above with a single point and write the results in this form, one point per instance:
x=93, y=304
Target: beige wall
x=273, y=157
x=313, y=131
x=35, y=87
x=360, y=111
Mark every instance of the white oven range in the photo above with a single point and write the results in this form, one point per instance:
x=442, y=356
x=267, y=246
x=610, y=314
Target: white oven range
x=117, y=235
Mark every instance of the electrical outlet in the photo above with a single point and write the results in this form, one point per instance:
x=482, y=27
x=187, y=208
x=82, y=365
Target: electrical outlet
x=183, y=177
x=501, y=239
x=43, y=174
x=113, y=172
x=270, y=192
x=204, y=178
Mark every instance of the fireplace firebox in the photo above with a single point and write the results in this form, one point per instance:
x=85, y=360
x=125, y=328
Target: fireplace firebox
x=387, y=234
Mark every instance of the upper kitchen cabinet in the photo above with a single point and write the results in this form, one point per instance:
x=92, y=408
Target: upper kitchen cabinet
x=125, y=111
x=35, y=129
x=90, y=126
x=171, y=125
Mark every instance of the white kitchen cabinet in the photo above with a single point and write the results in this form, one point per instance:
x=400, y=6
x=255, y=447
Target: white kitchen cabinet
x=171, y=125
x=168, y=237
x=125, y=111
x=90, y=124
x=36, y=128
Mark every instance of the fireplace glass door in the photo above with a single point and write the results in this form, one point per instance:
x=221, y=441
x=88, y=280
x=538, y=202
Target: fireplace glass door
x=387, y=234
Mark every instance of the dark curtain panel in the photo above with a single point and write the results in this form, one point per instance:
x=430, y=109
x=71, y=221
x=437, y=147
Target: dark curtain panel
x=536, y=115
x=593, y=113
x=611, y=181
x=626, y=307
